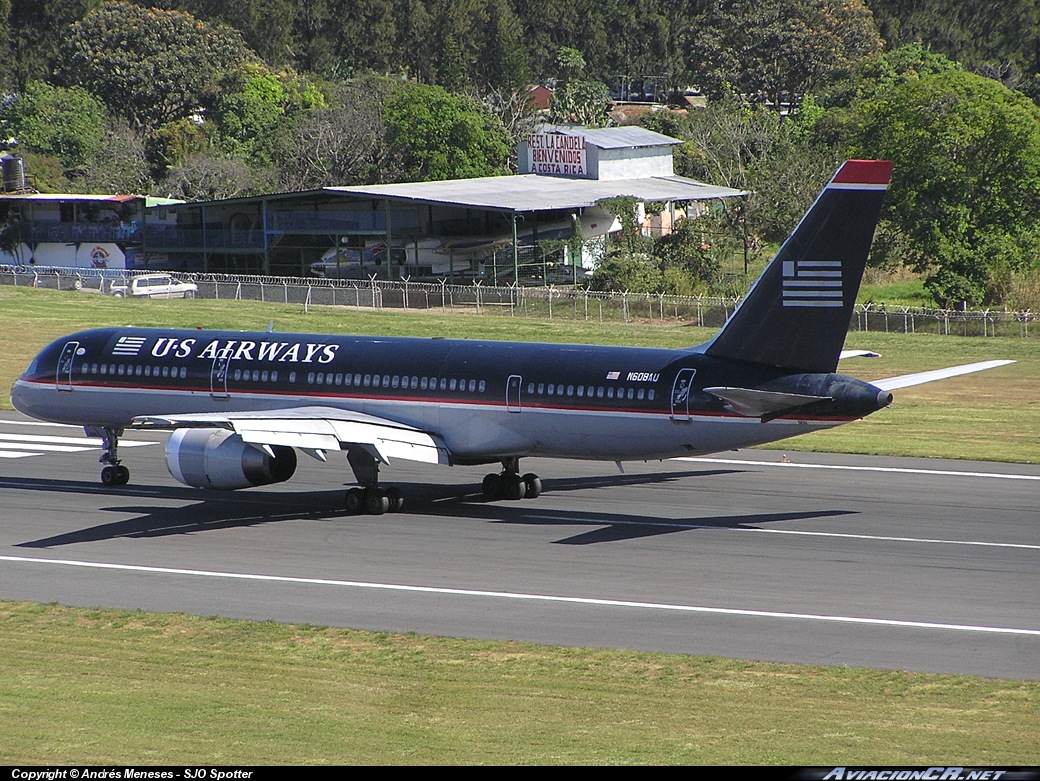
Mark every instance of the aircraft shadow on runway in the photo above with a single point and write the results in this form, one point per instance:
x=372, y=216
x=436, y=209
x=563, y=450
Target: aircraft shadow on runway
x=217, y=511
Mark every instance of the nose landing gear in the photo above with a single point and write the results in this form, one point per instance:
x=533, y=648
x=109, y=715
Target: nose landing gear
x=113, y=473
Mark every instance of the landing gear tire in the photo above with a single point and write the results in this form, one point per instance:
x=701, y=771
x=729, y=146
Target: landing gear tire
x=376, y=502
x=115, y=475
x=513, y=487
x=355, y=501
x=533, y=485
x=491, y=487
x=396, y=499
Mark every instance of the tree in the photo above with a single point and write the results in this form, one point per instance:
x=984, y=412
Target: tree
x=68, y=123
x=503, y=60
x=881, y=71
x=119, y=166
x=777, y=50
x=206, y=178
x=580, y=103
x=435, y=134
x=148, y=65
x=966, y=183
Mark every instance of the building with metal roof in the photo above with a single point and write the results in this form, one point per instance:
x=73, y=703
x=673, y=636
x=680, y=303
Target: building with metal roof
x=487, y=225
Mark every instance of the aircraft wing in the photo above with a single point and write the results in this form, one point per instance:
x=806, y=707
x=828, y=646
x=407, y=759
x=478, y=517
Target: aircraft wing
x=907, y=380
x=315, y=430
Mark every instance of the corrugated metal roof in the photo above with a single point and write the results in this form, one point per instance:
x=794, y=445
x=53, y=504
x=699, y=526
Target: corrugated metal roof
x=534, y=192
x=614, y=137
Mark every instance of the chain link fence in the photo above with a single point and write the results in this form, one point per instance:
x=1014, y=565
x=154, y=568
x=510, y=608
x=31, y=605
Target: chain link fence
x=566, y=303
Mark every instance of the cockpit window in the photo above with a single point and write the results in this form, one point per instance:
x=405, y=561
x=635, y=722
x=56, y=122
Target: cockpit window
x=32, y=367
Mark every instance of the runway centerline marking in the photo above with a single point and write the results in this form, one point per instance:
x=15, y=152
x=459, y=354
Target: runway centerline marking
x=681, y=525
x=840, y=467
x=519, y=596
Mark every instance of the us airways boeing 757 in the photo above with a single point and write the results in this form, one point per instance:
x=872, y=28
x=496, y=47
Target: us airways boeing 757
x=242, y=404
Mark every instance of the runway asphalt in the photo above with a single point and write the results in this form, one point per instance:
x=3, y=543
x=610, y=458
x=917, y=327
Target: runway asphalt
x=829, y=559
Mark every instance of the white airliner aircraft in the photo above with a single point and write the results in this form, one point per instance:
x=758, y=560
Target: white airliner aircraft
x=241, y=404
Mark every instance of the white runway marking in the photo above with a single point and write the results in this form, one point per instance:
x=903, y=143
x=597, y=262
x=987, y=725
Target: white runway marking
x=898, y=470
x=511, y=595
x=87, y=442
x=16, y=454
x=709, y=527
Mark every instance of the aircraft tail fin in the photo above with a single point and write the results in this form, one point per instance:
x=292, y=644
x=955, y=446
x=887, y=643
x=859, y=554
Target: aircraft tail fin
x=797, y=314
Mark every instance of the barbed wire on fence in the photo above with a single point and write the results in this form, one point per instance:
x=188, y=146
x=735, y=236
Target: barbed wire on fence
x=567, y=302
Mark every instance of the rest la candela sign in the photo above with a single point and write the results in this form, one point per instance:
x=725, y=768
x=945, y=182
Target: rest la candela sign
x=556, y=154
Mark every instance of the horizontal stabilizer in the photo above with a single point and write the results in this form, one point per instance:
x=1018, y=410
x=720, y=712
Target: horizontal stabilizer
x=857, y=354
x=908, y=380
x=761, y=404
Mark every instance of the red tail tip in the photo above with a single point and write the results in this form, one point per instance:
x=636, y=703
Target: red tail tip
x=864, y=172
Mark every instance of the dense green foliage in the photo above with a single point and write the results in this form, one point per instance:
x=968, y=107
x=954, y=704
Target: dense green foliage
x=203, y=99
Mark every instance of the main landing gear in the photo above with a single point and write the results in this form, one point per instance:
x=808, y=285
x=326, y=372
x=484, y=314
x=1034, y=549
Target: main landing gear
x=509, y=484
x=113, y=473
x=370, y=498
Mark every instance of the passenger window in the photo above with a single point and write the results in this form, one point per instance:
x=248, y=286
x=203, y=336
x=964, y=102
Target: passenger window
x=453, y=384
x=650, y=395
x=559, y=390
x=396, y=381
x=184, y=372
x=292, y=376
x=104, y=369
x=424, y=384
x=346, y=380
x=581, y=391
x=610, y=393
x=444, y=383
x=415, y=383
x=310, y=378
x=551, y=388
x=386, y=380
x=481, y=387
x=541, y=388
x=93, y=368
x=472, y=385
x=368, y=380
x=570, y=390
x=357, y=379
x=599, y=392
x=339, y=379
x=238, y=374
x=642, y=392
x=274, y=376
x=165, y=371
x=631, y=393
x=530, y=388
x=122, y=370
x=147, y=371
x=264, y=376
x=138, y=370
x=462, y=385
x=112, y=368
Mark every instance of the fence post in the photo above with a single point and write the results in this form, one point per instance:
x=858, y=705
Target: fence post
x=624, y=306
x=585, y=292
x=262, y=291
x=238, y=292
x=550, y=302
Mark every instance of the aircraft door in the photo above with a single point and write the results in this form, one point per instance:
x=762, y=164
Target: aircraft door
x=681, y=395
x=513, y=385
x=63, y=376
x=218, y=376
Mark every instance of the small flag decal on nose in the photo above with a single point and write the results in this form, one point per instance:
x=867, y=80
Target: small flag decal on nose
x=812, y=283
x=128, y=345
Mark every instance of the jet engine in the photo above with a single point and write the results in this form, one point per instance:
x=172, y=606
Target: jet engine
x=217, y=458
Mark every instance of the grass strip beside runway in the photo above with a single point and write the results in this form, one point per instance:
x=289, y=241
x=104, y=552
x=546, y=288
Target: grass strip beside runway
x=992, y=415
x=113, y=687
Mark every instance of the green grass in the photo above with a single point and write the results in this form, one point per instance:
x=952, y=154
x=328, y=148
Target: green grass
x=113, y=687
x=993, y=415
x=909, y=292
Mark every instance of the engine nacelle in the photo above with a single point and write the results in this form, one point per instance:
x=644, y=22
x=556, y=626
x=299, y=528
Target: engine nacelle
x=217, y=458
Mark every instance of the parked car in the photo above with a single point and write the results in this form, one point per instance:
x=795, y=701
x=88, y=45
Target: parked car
x=153, y=286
